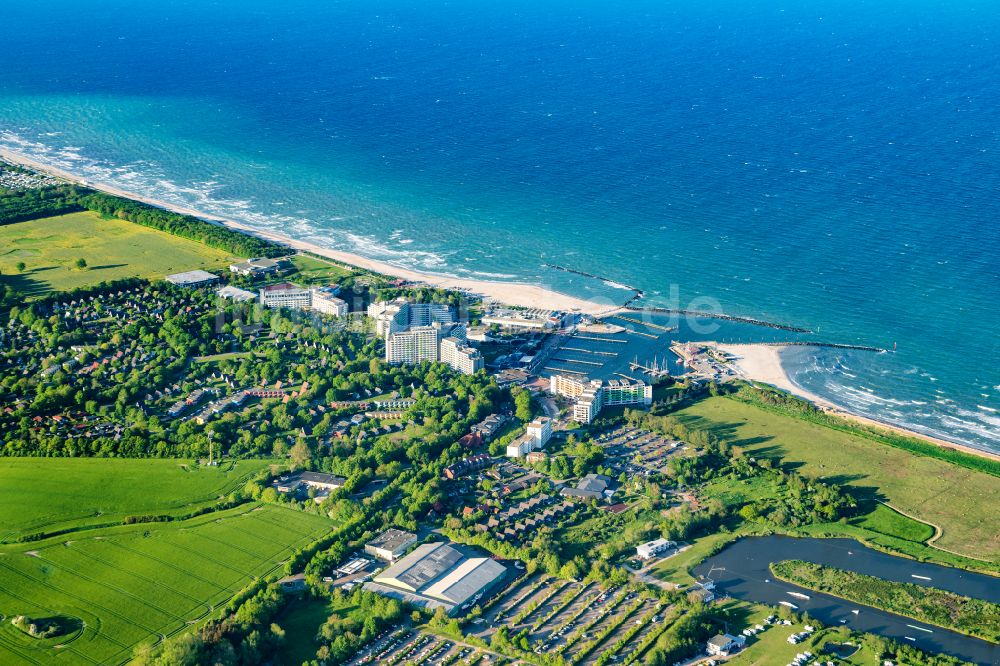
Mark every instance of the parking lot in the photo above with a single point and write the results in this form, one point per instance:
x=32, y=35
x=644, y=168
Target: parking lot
x=636, y=451
x=576, y=620
x=406, y=647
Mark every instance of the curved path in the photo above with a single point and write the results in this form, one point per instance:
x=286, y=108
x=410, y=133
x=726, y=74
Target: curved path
x=743, y=571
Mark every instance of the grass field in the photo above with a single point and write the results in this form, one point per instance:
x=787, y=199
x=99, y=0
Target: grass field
x=134, y=585
x=301, y=620
x=958, y=500
x=884, y=520
x=316, y=271
x=675, y=569
x=50, y=494
x=113, y=249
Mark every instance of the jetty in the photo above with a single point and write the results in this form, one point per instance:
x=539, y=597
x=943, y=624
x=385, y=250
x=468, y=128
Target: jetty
x=653, y=369
x=665, y=329
x=565, y=371
x=723, y=317
x=813, y=343
x=599, y=328
x=573, y=360
x=590, y=351
x=591, y=337
x=645, y=335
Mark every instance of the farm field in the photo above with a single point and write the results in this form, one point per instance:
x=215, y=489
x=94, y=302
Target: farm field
x=82, y=492
x=954, y=498
x=114, y=249
x=133, y=585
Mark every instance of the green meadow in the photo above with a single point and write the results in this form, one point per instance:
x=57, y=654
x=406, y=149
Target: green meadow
x=113, y=249
x=301, y=621
x=958, y=500
x=55, y=494
x=310, y=270
x=124, y=587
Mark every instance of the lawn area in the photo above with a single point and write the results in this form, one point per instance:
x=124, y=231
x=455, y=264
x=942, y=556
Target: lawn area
x=301, y=620
x=50, y=494
x=310, y=270
x=771, y=647
x=132, y=585
x=884, y=520
x=113, y=249
x=675, y=569
x=228, y=356
x=957, y=499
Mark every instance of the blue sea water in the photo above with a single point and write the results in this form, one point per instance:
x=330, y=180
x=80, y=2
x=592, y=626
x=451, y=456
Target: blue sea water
x=828, y=164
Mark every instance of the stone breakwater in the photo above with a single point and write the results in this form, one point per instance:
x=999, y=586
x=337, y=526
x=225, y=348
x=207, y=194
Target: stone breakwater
x=724, y=317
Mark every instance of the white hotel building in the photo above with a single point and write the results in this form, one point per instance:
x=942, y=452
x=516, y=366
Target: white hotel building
x=535, y=438
x=288, y=295
x=412, y=346
x=461, y=357
x=593, y=395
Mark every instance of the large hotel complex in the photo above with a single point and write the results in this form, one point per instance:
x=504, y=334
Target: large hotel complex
x=417, y=332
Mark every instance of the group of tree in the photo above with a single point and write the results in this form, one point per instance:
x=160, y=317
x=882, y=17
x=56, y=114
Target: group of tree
x=246, y=636
x=30, y=204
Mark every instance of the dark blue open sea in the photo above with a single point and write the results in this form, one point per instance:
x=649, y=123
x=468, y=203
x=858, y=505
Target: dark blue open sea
x=829, y=164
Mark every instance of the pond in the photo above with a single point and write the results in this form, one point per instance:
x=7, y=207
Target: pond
x=742, y=571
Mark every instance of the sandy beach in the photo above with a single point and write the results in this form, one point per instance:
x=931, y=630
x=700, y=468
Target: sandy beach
x=762, y=363
x=510, y=293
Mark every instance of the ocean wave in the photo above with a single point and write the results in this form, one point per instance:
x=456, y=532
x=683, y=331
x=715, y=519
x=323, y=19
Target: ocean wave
x=497, y=276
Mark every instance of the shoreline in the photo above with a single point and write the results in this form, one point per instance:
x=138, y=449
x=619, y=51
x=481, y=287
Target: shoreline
x=762, y=363
x=509, y=293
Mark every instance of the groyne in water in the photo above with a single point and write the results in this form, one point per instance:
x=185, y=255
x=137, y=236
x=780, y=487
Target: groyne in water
x=835, y=345
x=724, y=317
x=638, y=292
x=632, y=299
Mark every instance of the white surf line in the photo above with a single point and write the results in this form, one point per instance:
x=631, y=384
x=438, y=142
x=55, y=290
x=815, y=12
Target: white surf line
x=913, y=626
x=919, y=577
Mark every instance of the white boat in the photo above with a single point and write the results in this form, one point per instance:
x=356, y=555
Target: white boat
x=798, y=595
x=789, y=604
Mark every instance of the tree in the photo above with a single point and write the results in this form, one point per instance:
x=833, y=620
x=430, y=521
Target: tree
x=300, y=454
x=21, y=266
x=522, y=403
x=81, y=263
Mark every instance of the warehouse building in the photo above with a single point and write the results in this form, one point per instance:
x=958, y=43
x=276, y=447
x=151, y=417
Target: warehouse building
x=439, y=575
x=198, y=278
x=391, y=544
